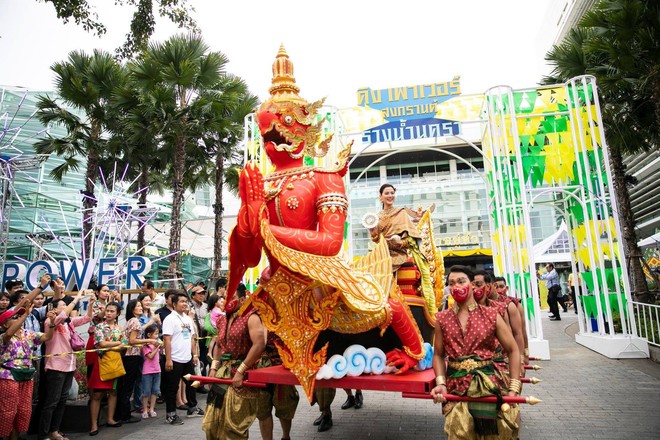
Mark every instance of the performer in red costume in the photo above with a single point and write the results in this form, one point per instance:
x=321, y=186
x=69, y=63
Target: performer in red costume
x=500, y=293
x=466, y=338
x=480, y=291
x=297, y=213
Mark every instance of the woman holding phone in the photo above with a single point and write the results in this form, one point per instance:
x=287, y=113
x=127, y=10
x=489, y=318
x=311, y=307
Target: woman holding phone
x=59, y=367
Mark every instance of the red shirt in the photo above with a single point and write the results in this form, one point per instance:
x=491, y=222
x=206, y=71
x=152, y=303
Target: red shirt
x=479, y=339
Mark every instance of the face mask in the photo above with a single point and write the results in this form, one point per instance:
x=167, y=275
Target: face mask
x=460, y=294
x=478, y=293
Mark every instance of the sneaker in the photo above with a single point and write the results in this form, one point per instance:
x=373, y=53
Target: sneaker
x=195, y=412
x=153, y=414
x=145, y=415
x=174, y=420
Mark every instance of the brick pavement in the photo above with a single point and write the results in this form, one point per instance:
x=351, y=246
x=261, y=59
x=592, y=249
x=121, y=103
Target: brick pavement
x=586, y=396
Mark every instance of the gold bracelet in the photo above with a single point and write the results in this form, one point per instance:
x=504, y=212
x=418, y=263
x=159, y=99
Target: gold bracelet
x=241, y=368
x=515, y=385
x=215, y=364
x=522, y=358
x=440, y=380
x=526, y=352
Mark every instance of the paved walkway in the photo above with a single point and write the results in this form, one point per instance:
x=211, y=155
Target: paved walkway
x=585, y=396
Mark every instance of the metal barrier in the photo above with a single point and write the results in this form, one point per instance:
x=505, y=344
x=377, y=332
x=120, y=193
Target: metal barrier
x=648, y=321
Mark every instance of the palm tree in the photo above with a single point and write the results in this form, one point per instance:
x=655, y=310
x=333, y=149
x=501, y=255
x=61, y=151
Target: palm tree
x=85, y=84
x=134, y=142
x=232, y=103
x=618, y=42
x=183, y=71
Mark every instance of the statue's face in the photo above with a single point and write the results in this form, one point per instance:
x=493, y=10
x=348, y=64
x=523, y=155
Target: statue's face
x=282, y=133
x=288, y=128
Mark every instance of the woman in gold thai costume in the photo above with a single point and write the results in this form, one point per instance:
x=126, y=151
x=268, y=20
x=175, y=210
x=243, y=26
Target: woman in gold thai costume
x=403, y=238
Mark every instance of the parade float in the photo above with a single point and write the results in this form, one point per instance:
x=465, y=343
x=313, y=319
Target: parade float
x=291, y=229
x=294, y=211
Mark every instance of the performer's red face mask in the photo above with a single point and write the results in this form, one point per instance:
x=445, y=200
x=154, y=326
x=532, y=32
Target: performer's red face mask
x=460, y=294
x=478, y=292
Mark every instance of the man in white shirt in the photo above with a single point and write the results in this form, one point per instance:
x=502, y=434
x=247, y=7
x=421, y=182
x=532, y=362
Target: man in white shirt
x=181, y=355
x=551, y=278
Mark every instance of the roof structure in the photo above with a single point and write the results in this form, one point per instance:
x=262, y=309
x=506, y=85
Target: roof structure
x=555, y=248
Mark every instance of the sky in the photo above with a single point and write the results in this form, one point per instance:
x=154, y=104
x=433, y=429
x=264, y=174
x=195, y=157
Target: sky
x=336, y=47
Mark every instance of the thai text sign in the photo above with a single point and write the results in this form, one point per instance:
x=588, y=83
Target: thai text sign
x=409, y=111
x=410, y=102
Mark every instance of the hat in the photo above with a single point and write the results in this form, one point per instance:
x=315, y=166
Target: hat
x=9, y=313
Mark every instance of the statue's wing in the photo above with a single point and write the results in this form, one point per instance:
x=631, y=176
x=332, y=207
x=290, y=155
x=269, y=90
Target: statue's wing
x=379, y=264
x=358, y=289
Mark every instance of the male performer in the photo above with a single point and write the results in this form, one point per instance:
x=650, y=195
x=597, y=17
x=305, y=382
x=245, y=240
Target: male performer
x=467, y=335
x=501, y=294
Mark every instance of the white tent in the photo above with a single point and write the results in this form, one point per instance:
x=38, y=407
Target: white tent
x=555, y=248
x=196, y=235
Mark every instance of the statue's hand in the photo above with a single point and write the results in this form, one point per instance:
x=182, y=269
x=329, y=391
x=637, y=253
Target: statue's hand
x=401, y=360
x=251, y=191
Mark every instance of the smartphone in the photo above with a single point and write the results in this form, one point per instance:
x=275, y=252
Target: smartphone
x=50, y=306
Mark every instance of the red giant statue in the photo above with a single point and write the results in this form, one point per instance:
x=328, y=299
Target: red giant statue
x=297, y=215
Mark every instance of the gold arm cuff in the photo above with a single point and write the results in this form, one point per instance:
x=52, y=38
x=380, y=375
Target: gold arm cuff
x=515, y=385
x=215, y=364
x=526, y=352
x=440, y=380
x=241, y=368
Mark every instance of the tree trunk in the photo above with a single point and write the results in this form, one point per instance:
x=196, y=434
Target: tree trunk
x=218, y=209
x=632, y=251
x=89, y=203
x=177, y=202
x=143, y=182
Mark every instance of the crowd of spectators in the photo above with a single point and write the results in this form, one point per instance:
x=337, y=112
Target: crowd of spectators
x=41, y=342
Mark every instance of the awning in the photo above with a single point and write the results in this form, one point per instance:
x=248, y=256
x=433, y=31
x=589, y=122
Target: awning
x=467, y=252
x=196, y=235
x=652, y=241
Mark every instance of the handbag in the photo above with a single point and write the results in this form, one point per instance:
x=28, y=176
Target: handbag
x=111, y=365
x=77, y=342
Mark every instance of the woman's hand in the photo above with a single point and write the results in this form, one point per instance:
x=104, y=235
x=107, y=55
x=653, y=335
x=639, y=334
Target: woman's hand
x=52, y=315
x=45, y=280
x=395, y=239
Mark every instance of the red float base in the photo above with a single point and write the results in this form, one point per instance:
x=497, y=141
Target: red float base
x=413, y=384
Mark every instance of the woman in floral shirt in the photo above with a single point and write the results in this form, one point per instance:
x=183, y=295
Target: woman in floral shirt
x=132, y=358
x=16, y=371
x=107, y=334
x=103, y=297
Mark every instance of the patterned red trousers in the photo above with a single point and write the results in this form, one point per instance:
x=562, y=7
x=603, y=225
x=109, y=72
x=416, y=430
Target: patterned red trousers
x=16, y=407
